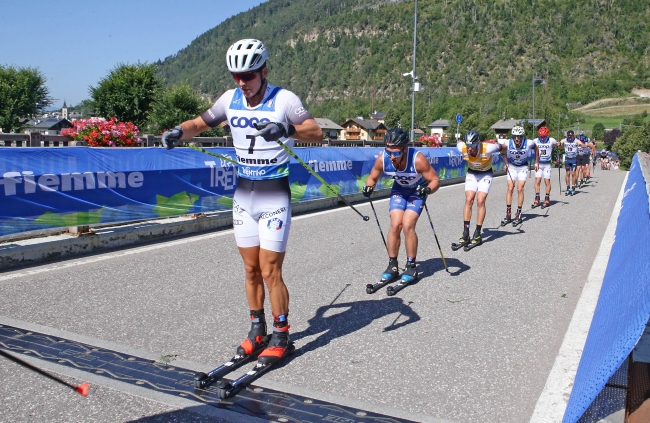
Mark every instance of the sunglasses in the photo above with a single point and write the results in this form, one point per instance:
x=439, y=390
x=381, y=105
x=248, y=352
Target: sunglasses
x=246, y=77
x=394, y=154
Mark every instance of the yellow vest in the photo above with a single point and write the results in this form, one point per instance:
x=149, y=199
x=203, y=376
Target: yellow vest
x=482, y=162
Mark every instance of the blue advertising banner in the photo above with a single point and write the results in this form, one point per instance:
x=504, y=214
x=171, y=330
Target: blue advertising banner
x=47, y=188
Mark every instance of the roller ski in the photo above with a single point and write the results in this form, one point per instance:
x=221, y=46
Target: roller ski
x=463, y=241
x=256, y=341
x=278, y=348
x=410, y=276
x=546, y=203
x=389, y=276
x=517, y=220
x=506, y=220
x=475, y=242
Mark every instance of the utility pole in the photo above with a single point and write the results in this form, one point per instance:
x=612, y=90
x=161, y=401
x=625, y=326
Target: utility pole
x=414, y=85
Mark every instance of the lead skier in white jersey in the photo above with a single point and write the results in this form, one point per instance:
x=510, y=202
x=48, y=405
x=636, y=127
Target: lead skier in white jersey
x=543, y=167
x=517, y=150
x=262, y=199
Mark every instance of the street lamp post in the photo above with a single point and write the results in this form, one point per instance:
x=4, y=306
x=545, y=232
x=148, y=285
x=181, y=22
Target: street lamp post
x=535, y=79
x=414, y=85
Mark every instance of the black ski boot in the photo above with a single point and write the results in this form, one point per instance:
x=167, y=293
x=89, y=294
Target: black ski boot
x=476, y=241
x=277, y=348
x=256, y=336
x=506, y=220
x=463, y=241
x=546, y=203
x=536, y=203
x=409, y=276
x=391, y=274
x=517, y=220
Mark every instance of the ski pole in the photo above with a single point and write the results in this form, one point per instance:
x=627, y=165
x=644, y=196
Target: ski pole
x=80, y=389
x=199, y=149
x=317, y=176
x=559, y=171
x=436, y=237
x=377, y=220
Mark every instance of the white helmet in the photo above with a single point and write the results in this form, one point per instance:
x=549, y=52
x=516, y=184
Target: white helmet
x=518, y=131
x=246, y=56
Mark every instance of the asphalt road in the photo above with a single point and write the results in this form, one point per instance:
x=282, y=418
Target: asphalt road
x=475, y=345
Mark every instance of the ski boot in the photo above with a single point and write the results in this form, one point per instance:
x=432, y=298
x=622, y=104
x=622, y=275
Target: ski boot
x=409, y=276
x=506, y=220
x=391, y=274
x=463, y=241
x=256, y=336
x=546, y=203
x=476, y=241
x=277, y=348
x=573, y=191
x=567, y=192
x=517, y=220
x=536, y=203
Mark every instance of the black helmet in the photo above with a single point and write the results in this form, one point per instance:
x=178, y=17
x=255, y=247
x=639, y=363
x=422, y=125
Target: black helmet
x=570, y=134
x=472, y=138
x=396, y=138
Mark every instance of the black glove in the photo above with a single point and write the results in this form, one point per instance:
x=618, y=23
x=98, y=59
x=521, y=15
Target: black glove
x=367, y=191
x=423, y=191
x=172, y=138
x=273, y=131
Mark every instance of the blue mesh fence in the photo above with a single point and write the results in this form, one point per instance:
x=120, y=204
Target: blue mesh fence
x=624, y=303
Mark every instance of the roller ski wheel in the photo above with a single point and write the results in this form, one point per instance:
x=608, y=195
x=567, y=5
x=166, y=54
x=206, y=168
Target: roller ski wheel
x=476, y=241
x=537, y=203
x=409, y=277
x=463, y=241
x=389, y=276
x=517, y=221
x=506, y=220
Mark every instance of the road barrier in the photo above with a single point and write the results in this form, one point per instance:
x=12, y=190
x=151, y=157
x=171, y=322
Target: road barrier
x=623, y=306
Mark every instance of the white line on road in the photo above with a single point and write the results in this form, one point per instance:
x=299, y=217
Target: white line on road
x=552, y=403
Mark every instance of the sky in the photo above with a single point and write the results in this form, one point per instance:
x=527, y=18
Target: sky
x=76, y=43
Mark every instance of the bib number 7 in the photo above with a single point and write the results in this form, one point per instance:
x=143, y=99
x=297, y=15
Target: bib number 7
x=252, y=145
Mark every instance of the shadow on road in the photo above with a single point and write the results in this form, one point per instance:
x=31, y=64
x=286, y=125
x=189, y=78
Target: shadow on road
x=433, y=265
x=337, y=320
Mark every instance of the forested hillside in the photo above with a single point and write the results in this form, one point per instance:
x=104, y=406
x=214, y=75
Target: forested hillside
x=346, y=57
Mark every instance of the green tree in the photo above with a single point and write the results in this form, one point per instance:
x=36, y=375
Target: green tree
x=22, y=94
x=127, y=93
x=598, y=131
x=177, y=104
x=392, y=118
x=610, y=137
x=632, y=140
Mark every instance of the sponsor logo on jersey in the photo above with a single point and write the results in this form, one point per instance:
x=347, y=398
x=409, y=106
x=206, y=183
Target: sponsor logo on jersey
x=301, y=111
x=262, y=162
x=273, y=213
x=274, y=224
x=211, y=114
x=237, y=222
x=244, y=122
x=270, y=103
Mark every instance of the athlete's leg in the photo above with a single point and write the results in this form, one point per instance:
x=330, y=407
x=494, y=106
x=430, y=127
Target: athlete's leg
x=469, y=203
x=547, y=182
x=538, y=185
x=480, y=203
x=254, y=281
x=409, y=220
x=271, y=265
x=511, y=189
x=396, y=218
x=520, y=192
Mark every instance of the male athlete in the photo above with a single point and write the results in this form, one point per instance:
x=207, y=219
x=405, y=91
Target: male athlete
x=583, y=160
x=414, y=180
x=262, y=199
x=517, y=150
x=478, y=181
x=571, y=145
x=543, y=165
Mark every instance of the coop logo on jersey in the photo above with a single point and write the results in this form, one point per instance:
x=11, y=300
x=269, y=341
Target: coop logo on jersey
x=274, y=224
x=244, y=122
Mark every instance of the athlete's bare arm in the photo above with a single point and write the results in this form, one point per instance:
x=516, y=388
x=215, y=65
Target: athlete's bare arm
x=376, y=172
x=424, y=168
x=194, y=127
x=308, y=131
